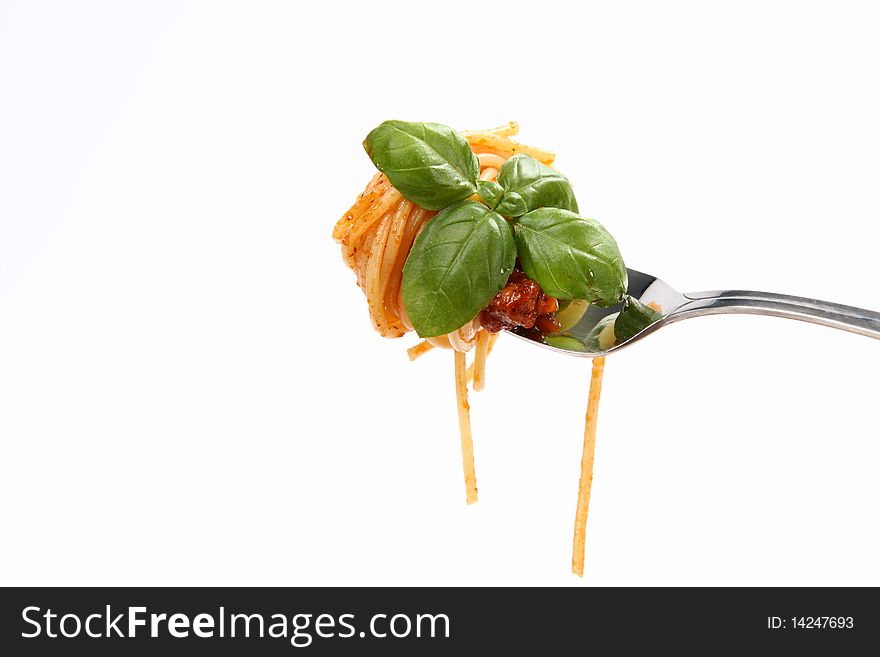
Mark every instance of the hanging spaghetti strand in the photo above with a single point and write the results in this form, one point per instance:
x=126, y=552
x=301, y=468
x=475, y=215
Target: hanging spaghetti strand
x=464, y=424
x=586, y=482
x=482, y=351
x=472, y=367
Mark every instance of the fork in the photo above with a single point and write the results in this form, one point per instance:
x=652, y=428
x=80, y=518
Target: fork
x=675, y=306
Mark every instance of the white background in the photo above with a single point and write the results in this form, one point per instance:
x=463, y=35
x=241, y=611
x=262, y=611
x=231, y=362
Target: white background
x=190, y=389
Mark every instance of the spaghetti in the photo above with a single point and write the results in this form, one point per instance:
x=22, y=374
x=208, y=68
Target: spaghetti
x=586, y=482
x=376, y=235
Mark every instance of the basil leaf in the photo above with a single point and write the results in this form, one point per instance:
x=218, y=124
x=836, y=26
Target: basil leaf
x=571, y=257
x=537, y=185
x=429, y=163
x=512, y=205
x=633, y=319
x=490, y=191
x=457, y=265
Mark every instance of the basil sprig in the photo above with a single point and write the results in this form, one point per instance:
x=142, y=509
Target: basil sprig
x=490, y=192
x=465, y=254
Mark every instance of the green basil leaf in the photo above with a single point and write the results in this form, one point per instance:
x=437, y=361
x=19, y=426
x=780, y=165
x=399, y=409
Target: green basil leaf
x=634, y=318
x=537, y=185
x=429, y=163
x=571, y=257
x=490, y=191
x=512, y=205
x=457, y=265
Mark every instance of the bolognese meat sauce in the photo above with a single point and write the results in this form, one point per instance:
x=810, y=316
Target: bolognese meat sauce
x=520, y=303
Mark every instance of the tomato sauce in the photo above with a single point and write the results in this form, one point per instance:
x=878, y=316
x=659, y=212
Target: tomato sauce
x=521, y=303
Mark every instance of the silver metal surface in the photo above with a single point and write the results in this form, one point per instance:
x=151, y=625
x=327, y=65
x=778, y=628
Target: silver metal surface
x=675, y=306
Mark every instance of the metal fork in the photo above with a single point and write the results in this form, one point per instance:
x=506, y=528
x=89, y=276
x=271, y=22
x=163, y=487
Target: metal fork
x=675, y=306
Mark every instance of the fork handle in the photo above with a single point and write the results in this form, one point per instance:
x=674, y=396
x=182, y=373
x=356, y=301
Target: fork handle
x=835, y=315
